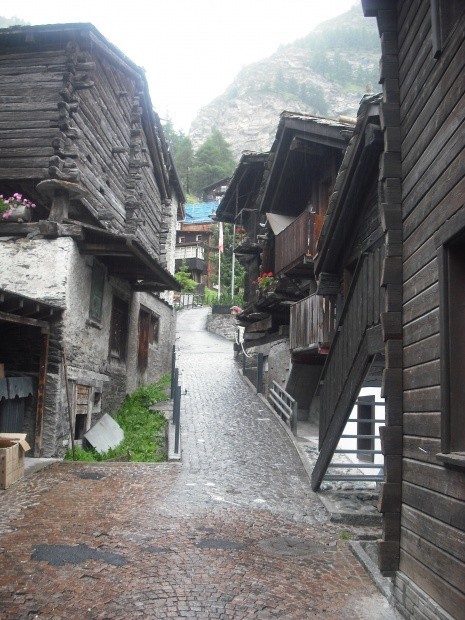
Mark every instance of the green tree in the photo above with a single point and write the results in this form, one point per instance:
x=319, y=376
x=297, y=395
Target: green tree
x=213, y=161
x=226, y=266
x=182, y=151
x=183, y=276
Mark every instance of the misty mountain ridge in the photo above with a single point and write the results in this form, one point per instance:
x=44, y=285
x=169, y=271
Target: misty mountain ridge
x=325, y=73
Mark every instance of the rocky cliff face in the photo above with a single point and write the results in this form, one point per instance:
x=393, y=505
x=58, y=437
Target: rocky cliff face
x=325, y=74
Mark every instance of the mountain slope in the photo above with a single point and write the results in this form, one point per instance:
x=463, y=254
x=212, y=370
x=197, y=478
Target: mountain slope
x=326, y=73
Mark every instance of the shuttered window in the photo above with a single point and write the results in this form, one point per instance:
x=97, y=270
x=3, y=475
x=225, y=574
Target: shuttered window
x=119, y=328
x=144, y=331
x=149, y=325
x=96, y=292
x=452, y=281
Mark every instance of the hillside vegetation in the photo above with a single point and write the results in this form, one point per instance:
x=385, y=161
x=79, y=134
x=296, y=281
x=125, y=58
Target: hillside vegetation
x=325, y=73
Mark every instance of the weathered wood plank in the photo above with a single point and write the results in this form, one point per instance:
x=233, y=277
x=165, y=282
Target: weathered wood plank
x=391, y=440
x=391, y=324
x=421, y=280
x=445, y=566
x=389, y=499
x=388, y=552
x=452, y=600
x=446, y=509
x=391, y=526
x=435, y=477
x=423, y=327
x=425, y=424
x=422, y=399
x=443, y=536
x=422, y=375
x=422, y=304
x=418, y=207
x=421, y=448
x=23, y=173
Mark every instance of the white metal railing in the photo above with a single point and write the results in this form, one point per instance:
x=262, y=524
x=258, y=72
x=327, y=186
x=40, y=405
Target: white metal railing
x=284, y=404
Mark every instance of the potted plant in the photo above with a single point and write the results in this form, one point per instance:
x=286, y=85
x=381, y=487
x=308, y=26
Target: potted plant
x=16, y=208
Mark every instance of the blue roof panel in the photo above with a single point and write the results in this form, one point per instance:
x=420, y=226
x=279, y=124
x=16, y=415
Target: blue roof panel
x=200, y=211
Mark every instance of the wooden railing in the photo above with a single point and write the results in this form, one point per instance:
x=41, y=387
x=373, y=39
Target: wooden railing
x=313, y=321
x=298, y=241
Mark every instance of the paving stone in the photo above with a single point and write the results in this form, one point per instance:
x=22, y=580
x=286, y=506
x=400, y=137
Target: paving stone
x=233, y=531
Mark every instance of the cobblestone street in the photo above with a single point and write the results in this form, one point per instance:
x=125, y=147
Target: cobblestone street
x=232, y=532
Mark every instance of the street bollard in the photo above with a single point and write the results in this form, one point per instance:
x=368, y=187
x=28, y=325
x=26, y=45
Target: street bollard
x=259, y=373
x=175, y=395
x=177, y=417
x=173, y=368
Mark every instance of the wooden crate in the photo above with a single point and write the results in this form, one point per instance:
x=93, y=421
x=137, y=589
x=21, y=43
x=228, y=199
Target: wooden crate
x=12, y=449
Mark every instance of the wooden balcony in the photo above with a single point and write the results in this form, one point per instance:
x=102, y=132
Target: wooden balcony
x=295, y=246
x=313, y=321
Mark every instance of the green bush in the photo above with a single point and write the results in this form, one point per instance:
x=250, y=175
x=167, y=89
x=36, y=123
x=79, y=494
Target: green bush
x=144, y=430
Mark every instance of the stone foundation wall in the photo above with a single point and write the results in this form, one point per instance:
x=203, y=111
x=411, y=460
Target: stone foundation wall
x=223, y=325
x=413, y=602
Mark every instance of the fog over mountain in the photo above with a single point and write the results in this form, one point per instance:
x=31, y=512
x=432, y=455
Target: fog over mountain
x=326, y=74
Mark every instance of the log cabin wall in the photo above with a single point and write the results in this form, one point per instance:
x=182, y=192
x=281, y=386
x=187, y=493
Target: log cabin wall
x=81, y=113
x=115, y=158
x=432, y=116
x=430, y=581
x=27, y=134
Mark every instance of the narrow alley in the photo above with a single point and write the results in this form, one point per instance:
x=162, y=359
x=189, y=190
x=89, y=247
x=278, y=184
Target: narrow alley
x=233, y=531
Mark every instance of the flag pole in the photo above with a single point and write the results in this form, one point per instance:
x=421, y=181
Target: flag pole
x=220, y=249
x=233, y=259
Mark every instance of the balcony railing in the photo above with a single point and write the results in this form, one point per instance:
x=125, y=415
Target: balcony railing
x=297, y=243
x=313, y=321
x=183, y=252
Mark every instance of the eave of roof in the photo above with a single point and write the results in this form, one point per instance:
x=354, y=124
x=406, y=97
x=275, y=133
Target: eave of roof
x=227, y=208
x=346, y=177
x=126, y=258
x=320, y=131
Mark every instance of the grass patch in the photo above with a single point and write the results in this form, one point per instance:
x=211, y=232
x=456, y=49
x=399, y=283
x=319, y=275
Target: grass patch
x=144, y=430
x=344, y=535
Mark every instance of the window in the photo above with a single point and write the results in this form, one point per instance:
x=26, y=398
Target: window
x=182, y=239
x=452, y=303
x=119, y=328
x=198, y=237
x=96, y=292
x=444, y=16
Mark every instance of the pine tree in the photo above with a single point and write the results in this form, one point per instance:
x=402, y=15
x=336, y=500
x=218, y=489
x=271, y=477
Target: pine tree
x=213, y=161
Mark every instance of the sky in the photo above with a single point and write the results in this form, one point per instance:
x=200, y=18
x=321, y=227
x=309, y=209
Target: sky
x=191, y=50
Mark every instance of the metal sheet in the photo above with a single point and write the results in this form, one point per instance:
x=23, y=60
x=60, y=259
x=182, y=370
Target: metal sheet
x=105, y=434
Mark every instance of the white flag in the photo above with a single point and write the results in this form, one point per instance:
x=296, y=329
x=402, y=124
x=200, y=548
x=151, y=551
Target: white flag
x=220, y=238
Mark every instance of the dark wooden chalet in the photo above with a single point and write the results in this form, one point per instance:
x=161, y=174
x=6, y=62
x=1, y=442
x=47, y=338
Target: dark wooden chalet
x=283, y=218
x=422, y=183
x=80, y=139
x=352, y=273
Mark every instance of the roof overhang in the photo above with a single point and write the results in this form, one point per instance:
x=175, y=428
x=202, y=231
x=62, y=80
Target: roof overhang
x=301, y=142
x=243, y=186
x=126, y=258
x=359, y=168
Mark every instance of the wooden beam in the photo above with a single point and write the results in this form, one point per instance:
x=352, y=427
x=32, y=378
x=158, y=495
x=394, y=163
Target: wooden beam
x=22, y=320
x=41, y=395
x=105, y=249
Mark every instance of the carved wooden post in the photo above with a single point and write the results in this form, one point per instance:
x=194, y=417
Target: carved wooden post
x=60, y=193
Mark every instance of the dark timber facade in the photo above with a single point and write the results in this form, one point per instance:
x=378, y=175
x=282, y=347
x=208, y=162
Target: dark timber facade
x=422, y=183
